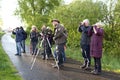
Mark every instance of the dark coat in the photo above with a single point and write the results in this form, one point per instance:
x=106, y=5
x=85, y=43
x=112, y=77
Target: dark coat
x=24, y=34
x=85, y=38
x=60, y=35
x=34, y=36
x=96, y=42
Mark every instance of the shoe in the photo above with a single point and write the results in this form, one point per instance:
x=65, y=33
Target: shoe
x=16, y=54
x=43, y=58
x=23, y=52
x=32, y=53
x=83, y=66
x=61, y=65
x=54, y=66
x=87, y=68
x=95, y=72
x=46, y=57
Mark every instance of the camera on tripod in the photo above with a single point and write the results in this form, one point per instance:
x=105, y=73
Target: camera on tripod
x=45, y=32
x=45, y=39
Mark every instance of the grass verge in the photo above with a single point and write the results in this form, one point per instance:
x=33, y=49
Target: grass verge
x=7, y=70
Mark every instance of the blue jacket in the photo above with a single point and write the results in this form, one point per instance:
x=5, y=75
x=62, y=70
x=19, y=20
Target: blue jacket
x=19, y=35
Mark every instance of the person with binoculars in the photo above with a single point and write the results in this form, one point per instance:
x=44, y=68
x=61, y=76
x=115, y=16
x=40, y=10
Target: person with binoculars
x=85, y=43
x=96, y=33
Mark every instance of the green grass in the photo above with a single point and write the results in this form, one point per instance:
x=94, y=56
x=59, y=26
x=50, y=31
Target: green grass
x=27, y=41
x=7, y=70
x=74, y=54
x=13, y=36
x=1, y=33
x=109, y=63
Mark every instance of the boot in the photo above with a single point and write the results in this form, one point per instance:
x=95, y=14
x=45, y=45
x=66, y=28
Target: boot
x=87, y=65
x=47, y=57
x=95, y=72
x=84, y=65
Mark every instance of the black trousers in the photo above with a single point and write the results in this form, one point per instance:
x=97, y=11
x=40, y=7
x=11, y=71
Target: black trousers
x=97, y=64
x=34, y=47
x=86, y=54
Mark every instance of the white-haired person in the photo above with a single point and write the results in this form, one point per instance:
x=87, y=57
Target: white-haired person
x=85, y=43
x=96, y=33
x=34, y=39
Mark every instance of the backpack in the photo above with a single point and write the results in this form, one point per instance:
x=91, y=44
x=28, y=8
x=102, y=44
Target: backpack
x=65, y=33
x=25, y=35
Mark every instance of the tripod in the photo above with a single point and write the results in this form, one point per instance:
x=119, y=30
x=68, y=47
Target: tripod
x=36, y=54
x=38, y=51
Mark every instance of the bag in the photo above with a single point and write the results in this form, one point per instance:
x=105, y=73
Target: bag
x=65, y=33
x=25, y=35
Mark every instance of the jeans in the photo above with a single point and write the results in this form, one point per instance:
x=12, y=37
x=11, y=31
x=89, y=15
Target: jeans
x=60, y=51
x=23, y=45
x=18, y=46
x=64, y=57
x=97, y=64
x=86, y=54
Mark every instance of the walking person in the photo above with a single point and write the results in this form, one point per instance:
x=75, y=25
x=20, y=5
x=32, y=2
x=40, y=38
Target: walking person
x=33, y=39
x=24, y=37
x=60, y=39
x=85, y=43
x=96, y=33
x=18, y=40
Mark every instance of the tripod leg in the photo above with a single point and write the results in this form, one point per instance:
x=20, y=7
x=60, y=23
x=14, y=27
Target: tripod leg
x=38, y=45
x=34, y=54
x=35, y=59
x=56, y=59
x=56, y=63
x=32, y=58
x=30, y=47
x=55, y=56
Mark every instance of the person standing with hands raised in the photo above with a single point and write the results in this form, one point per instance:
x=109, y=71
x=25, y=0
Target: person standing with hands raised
x=85, y=43
x=96, y=33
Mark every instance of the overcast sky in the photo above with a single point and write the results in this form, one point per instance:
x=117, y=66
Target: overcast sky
x=7, y=13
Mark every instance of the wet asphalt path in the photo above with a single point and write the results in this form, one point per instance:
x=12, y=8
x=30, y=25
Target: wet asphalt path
x=42, y=69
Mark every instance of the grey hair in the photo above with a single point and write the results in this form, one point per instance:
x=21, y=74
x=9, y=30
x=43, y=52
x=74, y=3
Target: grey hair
x=99, y=24
x=86, y=20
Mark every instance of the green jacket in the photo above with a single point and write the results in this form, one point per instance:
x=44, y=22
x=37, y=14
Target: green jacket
x=60, y=35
